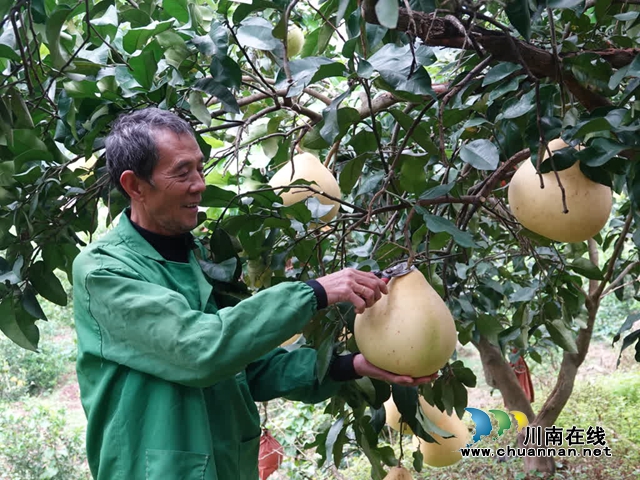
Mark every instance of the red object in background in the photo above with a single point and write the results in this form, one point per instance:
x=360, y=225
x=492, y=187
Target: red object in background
x=270, y=455
x=524, y=376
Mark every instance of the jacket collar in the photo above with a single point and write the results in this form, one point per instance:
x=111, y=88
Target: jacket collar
x=134, y=240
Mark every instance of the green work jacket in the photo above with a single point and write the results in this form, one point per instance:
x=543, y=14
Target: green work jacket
x=168, y=380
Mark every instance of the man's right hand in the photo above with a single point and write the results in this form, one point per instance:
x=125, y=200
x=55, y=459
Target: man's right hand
x=362, y=289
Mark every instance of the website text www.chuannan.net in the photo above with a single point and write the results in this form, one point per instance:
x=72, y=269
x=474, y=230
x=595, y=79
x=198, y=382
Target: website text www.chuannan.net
x=536, y=452
x=555, y=437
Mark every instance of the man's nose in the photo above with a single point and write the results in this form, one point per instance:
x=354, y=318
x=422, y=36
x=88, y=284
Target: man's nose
x=198, y=185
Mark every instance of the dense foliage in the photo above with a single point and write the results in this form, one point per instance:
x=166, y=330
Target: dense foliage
x=422, y=114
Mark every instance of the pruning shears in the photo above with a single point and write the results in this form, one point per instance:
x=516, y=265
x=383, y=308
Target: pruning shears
x=396, y=271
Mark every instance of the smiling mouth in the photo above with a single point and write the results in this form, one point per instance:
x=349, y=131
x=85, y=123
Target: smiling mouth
x=192, y=205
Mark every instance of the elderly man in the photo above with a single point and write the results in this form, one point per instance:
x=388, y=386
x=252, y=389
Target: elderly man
x=168, y=378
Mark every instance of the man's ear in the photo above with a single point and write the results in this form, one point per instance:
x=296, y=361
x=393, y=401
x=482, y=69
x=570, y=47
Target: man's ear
x=132, y=185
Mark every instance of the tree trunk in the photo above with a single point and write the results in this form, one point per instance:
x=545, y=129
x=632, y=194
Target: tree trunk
x=500, y=375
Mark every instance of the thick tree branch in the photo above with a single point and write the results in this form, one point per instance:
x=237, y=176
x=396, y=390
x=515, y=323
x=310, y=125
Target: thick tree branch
x=447, y=32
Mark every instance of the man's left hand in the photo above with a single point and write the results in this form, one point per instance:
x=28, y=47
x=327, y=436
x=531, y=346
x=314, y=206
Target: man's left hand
x=366, y=369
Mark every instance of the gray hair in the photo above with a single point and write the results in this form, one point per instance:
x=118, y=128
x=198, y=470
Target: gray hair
x=131, y=144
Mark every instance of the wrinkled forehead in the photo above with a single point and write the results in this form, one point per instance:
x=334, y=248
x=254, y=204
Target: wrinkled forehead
x=176, y=148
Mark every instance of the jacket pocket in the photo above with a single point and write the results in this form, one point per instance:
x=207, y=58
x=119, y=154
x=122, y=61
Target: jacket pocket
x=248, y=459
x=176, y=465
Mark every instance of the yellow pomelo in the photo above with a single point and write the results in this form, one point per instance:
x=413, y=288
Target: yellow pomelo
x=447, y=451
x=398, y=473
x=295, y=41
x=541, y=210
x=291, y=340
x=258, y=274
x=409, y=331
x=393, y=417
x=307, y=167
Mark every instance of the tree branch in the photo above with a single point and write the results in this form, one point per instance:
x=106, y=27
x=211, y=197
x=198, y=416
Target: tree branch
x=445, y=32
x=612, y=286
x=614, y=256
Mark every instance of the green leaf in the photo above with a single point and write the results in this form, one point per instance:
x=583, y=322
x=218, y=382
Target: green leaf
x=226, y=71
x=367, y=439
x=564, y=3
x=420, y=132
x=222, y=93
x=351, y=173
x=463, y=374
x=598, y=175
x=325, y=355
x=215, y=196
x=221, y=272
x=628, y=323
x=412, y=173
x=481, y=154
x=598, y=124
x=520, y=17
x=332, y=436
x=7, y=170
x=490, y=327
x=31, y=304
x=626, y=16
x=54, y=25
x=592, y=72
x=331, y=129
x=47, y=284
x=515, y=108
x=438, y=191
x=346, y=118
x=144, y=66
x=524, y=294
x=18, y=326
x=199, y=109
x=583, y=266
x=387, y=12
x=388, y=456
x=308, y=70
x=562, y=336
x=136, y=38
x=627, y=342
x=461, y=397
x=634, y=67
x=244, y=10
x=418, y=460
x=177, y=9
x=438, y=224
x=506, y=87
x=599, y=152
x=256, y=32
x=500, y=71
x=107, y=24
x=396, y=67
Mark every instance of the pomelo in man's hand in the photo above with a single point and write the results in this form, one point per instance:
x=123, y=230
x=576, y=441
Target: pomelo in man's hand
x=409, y=331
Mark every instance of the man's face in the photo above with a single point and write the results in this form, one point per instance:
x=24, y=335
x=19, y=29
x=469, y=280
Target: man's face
x=169, y=204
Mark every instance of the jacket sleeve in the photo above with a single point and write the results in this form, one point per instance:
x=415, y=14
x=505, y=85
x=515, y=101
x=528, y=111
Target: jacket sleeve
x=291, y=375
x=153, y=329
